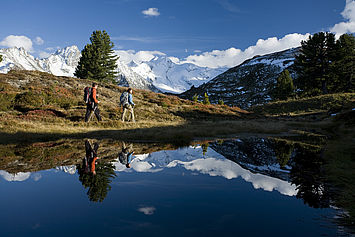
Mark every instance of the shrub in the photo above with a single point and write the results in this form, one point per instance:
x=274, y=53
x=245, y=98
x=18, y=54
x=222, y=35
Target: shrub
x=220, y=102
x=29, y=100
x=206, y=100
x=6, y=101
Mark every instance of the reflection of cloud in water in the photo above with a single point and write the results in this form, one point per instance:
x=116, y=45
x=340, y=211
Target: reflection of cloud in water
x=212, y=163
x=36, y=177
x=230, y=170
x=147, y=210
x=15, y=177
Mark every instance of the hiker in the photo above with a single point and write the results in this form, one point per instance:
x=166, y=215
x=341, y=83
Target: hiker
x=92, y=104
x=89, y=162
x=125, y=156
x=127, y=104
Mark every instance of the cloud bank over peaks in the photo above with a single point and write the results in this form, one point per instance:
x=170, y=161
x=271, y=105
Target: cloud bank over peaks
x=347, y=26
x=128, y=56
x=17, y=41
x=233, y=57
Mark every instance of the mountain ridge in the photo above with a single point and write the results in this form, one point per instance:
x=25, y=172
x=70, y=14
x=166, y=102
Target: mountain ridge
x=160, y=74
x=250, y=83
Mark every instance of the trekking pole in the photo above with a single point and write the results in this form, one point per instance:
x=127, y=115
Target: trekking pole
x=92, y=113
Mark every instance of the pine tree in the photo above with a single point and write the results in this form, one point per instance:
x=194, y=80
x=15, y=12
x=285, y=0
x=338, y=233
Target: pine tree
x=206, y=100
x=313, y=65
x=0, y=58
x=284, y=88
x=97, y=61
x=343, y=67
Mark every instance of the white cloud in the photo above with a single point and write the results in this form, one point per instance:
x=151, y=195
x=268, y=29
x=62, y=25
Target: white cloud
x=43, y=54
x=151, y=12
x=15, y=177
x=39, y=41
x=127, y=56
x=227, y=5
x=36, y=177
x=349, y=15
x=17, y=41
x=138, y=39
x=147, y=210
x=233, y=57
x=175, y=60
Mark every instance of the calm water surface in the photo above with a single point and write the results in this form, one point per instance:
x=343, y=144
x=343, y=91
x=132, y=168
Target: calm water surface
x=191, y=191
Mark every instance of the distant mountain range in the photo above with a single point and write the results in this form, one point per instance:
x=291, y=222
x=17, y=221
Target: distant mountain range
x=249, y=83
x=159, y=74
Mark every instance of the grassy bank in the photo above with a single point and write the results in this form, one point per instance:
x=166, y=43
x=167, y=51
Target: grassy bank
x=40, y=106
x=323, y=106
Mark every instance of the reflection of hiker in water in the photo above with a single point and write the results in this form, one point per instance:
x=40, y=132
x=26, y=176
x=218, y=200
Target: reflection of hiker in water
x=95, y=177
x=125, y=156
x=89, y=162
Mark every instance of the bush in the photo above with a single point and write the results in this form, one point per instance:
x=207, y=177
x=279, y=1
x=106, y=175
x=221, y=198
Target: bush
x=220, y=102
x=6, y=101
x=29, y=100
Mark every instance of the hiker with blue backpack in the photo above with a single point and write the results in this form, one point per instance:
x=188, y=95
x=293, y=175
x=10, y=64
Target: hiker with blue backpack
x=125, y=156
x=90, y=98
x=126, y=101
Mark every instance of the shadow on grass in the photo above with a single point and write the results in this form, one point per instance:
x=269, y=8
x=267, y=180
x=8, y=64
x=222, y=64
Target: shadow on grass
x=176, y=135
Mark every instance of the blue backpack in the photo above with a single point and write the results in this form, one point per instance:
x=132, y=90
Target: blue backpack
x=124, y=98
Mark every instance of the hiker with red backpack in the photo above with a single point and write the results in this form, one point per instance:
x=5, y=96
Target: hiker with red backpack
x=89, y=162
x=127, y=104
x=90, y=97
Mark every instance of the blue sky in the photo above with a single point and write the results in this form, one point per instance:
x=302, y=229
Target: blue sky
x=178, y=28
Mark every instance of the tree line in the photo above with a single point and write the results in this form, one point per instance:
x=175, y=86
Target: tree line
x=324, y=65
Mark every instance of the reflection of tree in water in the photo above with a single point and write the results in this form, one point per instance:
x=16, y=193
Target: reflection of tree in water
x=283, y=150
x=98, y=185
x=307, y=169
x=309, y=176
x=204, y=147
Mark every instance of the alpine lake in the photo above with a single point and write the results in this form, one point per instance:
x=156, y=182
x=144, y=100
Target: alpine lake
x=247, y=186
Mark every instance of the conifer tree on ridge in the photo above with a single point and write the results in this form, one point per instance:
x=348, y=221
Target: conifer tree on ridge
x=97, y=61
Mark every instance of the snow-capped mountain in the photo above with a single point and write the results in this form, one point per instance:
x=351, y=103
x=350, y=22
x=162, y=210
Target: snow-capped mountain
x=159, y=74
x=249, y=83
x=18, y=58
x=129, y=78
x=174, y=77
x=63, y=62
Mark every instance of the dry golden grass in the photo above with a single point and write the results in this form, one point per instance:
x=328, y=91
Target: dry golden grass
x=45, y=106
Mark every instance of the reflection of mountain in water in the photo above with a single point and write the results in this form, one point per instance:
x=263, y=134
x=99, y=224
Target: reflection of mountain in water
x=212, y=163
x=70, y=169
x=255, y=154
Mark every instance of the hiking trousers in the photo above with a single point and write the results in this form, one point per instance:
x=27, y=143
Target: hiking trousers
x=89, y=110
x=130, y=108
